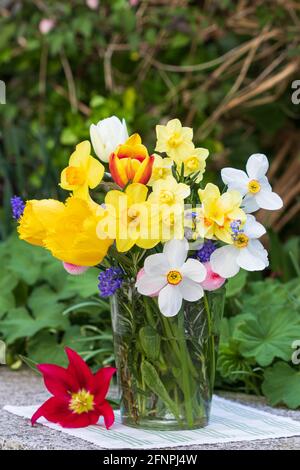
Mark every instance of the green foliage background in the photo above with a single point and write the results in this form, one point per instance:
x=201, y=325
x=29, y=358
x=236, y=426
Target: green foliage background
x=223, y=67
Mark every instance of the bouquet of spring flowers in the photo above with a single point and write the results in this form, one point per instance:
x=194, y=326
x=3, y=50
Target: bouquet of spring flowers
x=165, y=245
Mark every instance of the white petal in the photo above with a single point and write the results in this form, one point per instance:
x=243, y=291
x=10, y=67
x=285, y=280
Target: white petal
x=190, y=290
x=223, y=261
x=249, y=260
x=170, y=300
x=194, y=270
x=97, y=143
x=257, y=166
x=176, y=252
x=148, y=285
x=235, y=179
x=268, y=200
x=252, y=228
x=264, y=183
x=249, y=204
x=255, y=246
x=157, y=265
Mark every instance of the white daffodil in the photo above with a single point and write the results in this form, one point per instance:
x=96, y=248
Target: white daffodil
x=246, y=251
x=253, y=185
x=107, y=135
x=169, y=275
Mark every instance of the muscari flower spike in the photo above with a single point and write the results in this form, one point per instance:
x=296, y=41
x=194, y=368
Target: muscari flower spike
x=17, y=207
x=206, y=250
x=110, y=280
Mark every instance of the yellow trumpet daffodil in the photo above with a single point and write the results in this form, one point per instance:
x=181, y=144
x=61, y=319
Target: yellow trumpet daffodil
x=174, y=139
x=83, y=172
x=38, y=217
x=72, y=237
x=218, y=211
x=162, y=168
x=133, y=219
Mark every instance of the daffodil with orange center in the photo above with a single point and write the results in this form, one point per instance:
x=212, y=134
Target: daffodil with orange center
x=82, y=173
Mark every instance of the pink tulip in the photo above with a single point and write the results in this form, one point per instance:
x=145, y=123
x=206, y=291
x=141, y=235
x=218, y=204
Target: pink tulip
x=74, y=269
x=212, y=281
x=133, y=3
x=45, y=25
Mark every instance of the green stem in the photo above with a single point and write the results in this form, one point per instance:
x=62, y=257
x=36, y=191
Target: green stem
x=185, y=371
x=211, y=342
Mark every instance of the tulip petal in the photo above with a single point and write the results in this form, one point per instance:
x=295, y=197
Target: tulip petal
x=107, y=412
x=144, y=171
x=80, y=370
x=53, y=410
x=102, y=380
x=58, y=380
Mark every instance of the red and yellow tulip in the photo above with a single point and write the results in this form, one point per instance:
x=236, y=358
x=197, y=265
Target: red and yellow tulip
x=131, y=162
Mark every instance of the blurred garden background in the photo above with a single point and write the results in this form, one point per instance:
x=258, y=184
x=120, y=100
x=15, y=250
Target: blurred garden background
x=225, y=68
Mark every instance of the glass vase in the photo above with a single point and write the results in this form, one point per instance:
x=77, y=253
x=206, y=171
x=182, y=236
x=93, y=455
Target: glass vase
x=166, y=366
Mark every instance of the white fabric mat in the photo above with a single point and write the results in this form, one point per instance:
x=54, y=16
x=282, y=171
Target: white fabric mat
x=230, y=422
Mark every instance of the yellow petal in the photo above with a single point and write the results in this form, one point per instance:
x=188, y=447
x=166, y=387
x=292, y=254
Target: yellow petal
x=210, y=191
x=136, y=193
x=95, y=172
x=81, y=154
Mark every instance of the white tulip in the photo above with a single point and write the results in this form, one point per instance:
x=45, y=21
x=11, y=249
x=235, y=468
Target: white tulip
x=253, y=185
x=107, y=135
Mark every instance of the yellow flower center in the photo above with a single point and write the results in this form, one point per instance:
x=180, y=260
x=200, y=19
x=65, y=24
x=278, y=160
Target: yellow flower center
x=75, y=176
x=81, y=402
x=133, y=215
x=192, y=164
x=166, y=197
x=160, y=173
x=174, y=277
x=253, y=186
x=175, y=140
x=241, y=241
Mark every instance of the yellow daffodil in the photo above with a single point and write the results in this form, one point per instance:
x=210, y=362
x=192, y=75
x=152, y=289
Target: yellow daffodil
x=134, y=220
x=174, y=139
x=218, y=211
x=37, y=218
x=162, y=168
x=194, y=162
x=167, y=193
x=83, y=172
x=72, y=237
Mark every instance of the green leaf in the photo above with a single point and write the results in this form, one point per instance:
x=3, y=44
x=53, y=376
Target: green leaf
x=85, y=285
x=153, y=381
x=150, y=342
x=235, y=284
x=282, y=385
x=268, y=334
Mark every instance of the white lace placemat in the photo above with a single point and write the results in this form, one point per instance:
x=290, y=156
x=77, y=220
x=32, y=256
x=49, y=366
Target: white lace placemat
x=230, y=422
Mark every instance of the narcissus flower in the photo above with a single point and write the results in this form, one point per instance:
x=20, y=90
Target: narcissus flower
x=218, y=211
x=253, y=185
x=161, y=170
x=172, y=277
x=168, y=192
x=130, y=162
x=37, y=217
x=106, y=135
x=174, y=139
x=78, y=395
x=83, y=172
x=73, y=238
x=131, y=219
x=245, y=251
x=194, y=162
